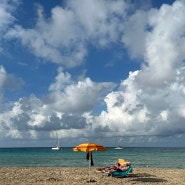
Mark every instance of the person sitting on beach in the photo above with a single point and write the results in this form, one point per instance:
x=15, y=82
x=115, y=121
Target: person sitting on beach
x=117, y=167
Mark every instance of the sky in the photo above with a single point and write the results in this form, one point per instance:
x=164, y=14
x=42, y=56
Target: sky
x=105, y=71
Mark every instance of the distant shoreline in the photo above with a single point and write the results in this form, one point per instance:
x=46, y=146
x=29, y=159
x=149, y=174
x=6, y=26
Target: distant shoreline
x=111, y=147
x=70, y=175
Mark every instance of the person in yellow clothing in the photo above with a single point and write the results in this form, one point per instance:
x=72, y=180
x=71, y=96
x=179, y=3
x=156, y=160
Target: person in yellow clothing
x=125, y=164
x=120, y=165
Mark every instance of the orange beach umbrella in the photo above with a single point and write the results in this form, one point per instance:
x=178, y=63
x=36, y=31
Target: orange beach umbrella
x=89, y=147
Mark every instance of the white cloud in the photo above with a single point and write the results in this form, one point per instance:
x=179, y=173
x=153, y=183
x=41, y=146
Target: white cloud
x=7, y=7
x=133, y=111
x=165, y=43
x=63, y=38
x=125, y=110
x=62, y=80
x=101, y=22
x=79, y=97
x=164, y=115
x=14, y=134
x=148, y=104
x=135, y=29
x=5, y=15
x=61, y=111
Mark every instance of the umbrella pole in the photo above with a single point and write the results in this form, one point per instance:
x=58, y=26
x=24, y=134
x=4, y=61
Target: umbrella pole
x=89, y=168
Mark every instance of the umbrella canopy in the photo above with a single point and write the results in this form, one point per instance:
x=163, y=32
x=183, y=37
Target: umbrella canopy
x=89, y=147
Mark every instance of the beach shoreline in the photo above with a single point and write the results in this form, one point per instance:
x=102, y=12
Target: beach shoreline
x=74, y=175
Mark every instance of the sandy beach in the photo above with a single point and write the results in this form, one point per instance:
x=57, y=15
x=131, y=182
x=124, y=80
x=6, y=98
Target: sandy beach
x=66, y=176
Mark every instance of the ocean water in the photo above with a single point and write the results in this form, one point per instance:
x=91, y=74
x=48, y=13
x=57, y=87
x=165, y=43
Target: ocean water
x=139, y=157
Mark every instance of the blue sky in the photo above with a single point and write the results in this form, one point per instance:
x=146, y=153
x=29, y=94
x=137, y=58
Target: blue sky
x=92, y=70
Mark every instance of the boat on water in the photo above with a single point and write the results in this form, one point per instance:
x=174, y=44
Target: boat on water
x=118, y=148
x=57, y=147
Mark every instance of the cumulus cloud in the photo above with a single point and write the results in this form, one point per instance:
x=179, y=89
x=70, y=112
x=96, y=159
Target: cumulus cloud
x=79, y=97
x=135, y=29
x=164, y=43
x=133, y=111
x=64, y=109
x=148, y=104
x=63, y=38
x=150, y=101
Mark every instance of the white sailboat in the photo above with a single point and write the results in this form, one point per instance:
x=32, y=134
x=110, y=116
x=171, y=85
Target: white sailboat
x=118, y=147
x=57, y=147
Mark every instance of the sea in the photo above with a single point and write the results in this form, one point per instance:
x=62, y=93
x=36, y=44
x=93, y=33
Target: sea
x=140, y=157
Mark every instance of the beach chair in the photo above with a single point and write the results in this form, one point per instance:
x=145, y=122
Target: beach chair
x=121, y=174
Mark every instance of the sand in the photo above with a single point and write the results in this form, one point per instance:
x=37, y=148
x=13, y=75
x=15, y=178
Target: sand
x=68, y=176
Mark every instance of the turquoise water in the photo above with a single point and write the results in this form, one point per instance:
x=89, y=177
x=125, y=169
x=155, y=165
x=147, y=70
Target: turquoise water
x=139, y=157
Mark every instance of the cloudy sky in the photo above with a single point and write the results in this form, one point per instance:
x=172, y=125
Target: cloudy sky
x=107, y=71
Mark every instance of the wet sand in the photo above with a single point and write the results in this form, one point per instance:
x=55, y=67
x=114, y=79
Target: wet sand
x=68, y=175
